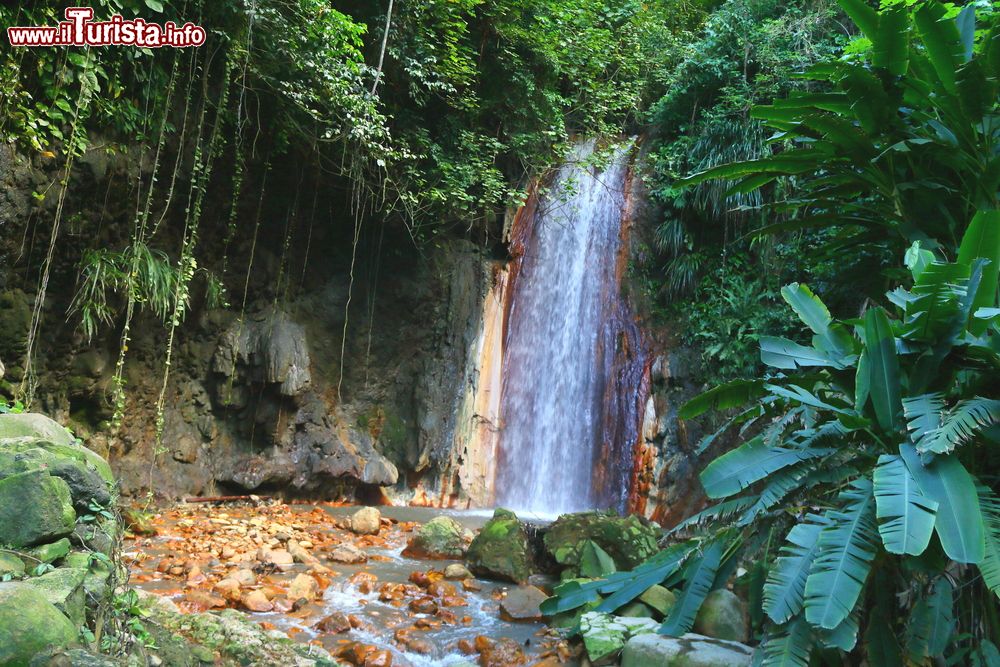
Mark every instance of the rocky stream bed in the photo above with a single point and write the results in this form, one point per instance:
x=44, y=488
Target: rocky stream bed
x=90, y=579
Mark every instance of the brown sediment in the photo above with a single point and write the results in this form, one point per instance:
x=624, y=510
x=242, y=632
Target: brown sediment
x=617, y=473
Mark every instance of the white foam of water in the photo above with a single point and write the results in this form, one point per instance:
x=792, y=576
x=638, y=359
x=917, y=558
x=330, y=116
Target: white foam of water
x=553, y=372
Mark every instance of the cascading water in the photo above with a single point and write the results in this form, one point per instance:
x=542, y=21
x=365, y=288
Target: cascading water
x=561, y=449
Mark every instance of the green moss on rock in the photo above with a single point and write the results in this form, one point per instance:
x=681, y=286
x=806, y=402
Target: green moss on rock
x=502, y=550
x=441, y=537
x=35, y=508
x=63, y=587
x=48, y=553
x=723, y=615
x=30, y=625
x=629, y=541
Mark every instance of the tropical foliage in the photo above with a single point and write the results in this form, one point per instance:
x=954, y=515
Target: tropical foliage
x=862, y=502
x=895, y=142
x=871, y=462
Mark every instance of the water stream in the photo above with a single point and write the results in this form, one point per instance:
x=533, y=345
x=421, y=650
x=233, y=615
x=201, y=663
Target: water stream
x=561, y=339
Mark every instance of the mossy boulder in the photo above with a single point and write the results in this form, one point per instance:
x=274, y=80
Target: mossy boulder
x=628, y=540
x=659, y=598
x=441, y=537
x=97, y=536
x=502, y=549
x=98, y=572
x=604, y=635
x=10, y=564
x=30, y=625
x=47, y=553
x=35, y=442
x=35, y=508
x=723, y=615
x=63, y=587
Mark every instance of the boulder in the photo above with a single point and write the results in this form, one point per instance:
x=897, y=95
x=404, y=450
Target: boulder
x=98, y=572
x=10, y=564
x=501, y=550
x=690, y=650
x=659, y=598
x=441, y=537
x=629, y=540
x=35, y=508
x=521, y=604
x=35, y=442
x=303, y=586
x=100, y=536
x=603, y=637
x=723, y=616
x=366, y=521
x=48, y=553
x=30, y=624
x=63, y=587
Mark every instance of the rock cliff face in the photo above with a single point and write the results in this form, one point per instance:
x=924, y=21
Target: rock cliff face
x=381, y=383
x=316, y=383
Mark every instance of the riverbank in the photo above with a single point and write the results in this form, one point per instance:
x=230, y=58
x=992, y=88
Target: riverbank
x=341, y=578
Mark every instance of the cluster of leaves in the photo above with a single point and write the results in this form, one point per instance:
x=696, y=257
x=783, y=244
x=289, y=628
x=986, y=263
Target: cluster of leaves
x=897, y=141
x=746, y=54
x=484, y=92
x=872, y=441
x=733, y=305
x=870, y=451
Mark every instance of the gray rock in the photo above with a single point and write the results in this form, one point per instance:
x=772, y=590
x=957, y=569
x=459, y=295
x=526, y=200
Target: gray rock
x=271, y=350
x=723, y=616
x=690, y=650
x=521, y=604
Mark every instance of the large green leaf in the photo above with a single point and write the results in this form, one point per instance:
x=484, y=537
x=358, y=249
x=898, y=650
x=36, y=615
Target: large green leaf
x=931, y=623
x=890, y=46
x=982, y=239
x=880, y=345
x=789, y=645
x=941, y=40
x=841, y=566
x=936, y=302
x=785, y=587
x=795, y=393
x=924, y=414
x=788, y=355
x=723, y=397
x=734, y=471
x=699, y=578
x=956, y=427
x=880, y=641
x=906, y=516
x=624, y=586
x=830, y=338
x=845, y=635
x=959, y=523
x=863, y=16
x=989, y=568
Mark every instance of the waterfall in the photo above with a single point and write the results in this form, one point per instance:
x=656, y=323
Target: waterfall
x=570, y=346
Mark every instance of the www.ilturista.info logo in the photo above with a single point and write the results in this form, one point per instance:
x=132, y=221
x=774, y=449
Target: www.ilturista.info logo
x=80, y=30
